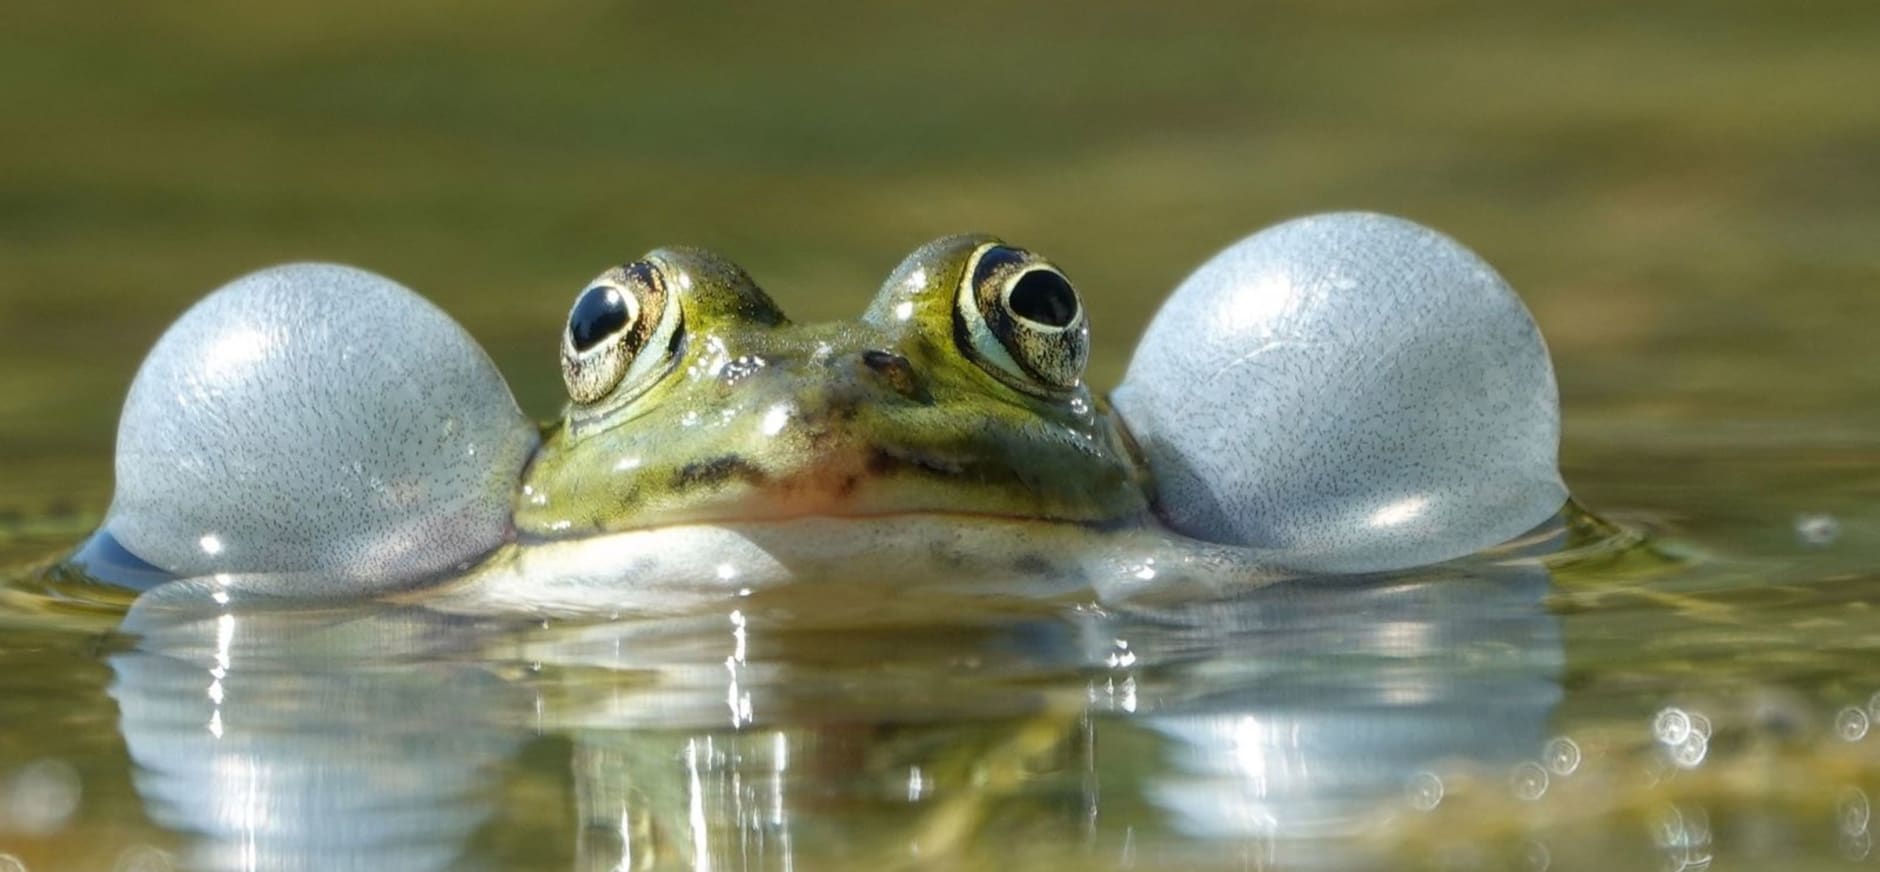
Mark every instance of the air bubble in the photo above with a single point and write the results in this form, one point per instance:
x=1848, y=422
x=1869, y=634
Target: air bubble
x=1561, y=756
x=1857, y=846
x=1672, y=726
x=1684, y=837
x=1700, y=725
x=1853, y=813
x=1424, y=791
x=1528, y=781
x=1689, y=754
x=1536, y=858
x=1851, y=724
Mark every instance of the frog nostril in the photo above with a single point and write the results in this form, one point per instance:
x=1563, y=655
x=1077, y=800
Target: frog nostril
x=883, y=361
x=896, y=371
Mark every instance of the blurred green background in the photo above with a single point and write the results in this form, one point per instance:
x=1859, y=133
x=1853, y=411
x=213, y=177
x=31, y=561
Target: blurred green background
x=1685, y=193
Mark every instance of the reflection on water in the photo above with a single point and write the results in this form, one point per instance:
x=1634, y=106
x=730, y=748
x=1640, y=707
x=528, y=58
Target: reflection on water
x=1684, y=193
x=268, y=764
x=1283, y=725
x=1418, y=676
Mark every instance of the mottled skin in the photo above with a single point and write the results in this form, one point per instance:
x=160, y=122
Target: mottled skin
x=755, y=418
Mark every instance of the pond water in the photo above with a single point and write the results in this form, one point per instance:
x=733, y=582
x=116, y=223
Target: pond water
x=1685, y=197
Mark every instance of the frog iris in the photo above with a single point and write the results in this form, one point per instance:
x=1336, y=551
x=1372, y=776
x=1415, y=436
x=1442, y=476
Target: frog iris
x=1023, y=319
x=619, y=332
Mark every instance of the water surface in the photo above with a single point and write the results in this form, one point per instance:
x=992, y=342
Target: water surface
x=1684, y=195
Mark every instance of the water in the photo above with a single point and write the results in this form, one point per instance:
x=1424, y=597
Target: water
x=1628, y=703
x=1684, y=196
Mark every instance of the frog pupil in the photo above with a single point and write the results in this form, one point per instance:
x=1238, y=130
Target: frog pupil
x=601, y=312
x=1043, y=296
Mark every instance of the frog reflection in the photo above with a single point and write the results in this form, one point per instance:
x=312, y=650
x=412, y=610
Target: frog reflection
x=1268, y=722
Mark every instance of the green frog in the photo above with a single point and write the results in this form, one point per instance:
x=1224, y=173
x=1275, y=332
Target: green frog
x=947, y=434
x=315, y=431
x=959, y=391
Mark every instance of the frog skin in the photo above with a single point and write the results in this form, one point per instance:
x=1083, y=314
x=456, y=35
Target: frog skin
x=716, y=408
x=1342, y=393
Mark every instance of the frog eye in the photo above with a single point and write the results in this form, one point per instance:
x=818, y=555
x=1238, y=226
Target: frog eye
x=620, y=331
x=1022, y=319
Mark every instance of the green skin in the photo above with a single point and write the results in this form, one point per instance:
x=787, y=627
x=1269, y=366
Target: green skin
x=753, y=418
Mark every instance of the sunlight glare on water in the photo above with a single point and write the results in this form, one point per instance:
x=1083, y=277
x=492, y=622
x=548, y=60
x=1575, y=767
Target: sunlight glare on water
x=1683, y=196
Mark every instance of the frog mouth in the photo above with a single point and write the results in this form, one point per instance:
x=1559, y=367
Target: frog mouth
x=878, y=482
x=783, y=461
x=872, y=484
x=877, y=462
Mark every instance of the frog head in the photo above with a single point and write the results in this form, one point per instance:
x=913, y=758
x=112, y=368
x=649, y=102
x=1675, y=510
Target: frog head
x=958, y=391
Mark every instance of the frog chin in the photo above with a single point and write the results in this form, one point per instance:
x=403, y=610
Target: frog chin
x=864, y=562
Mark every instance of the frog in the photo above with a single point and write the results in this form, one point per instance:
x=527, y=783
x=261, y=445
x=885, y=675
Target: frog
x=958, y=391
x=1346, y=393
